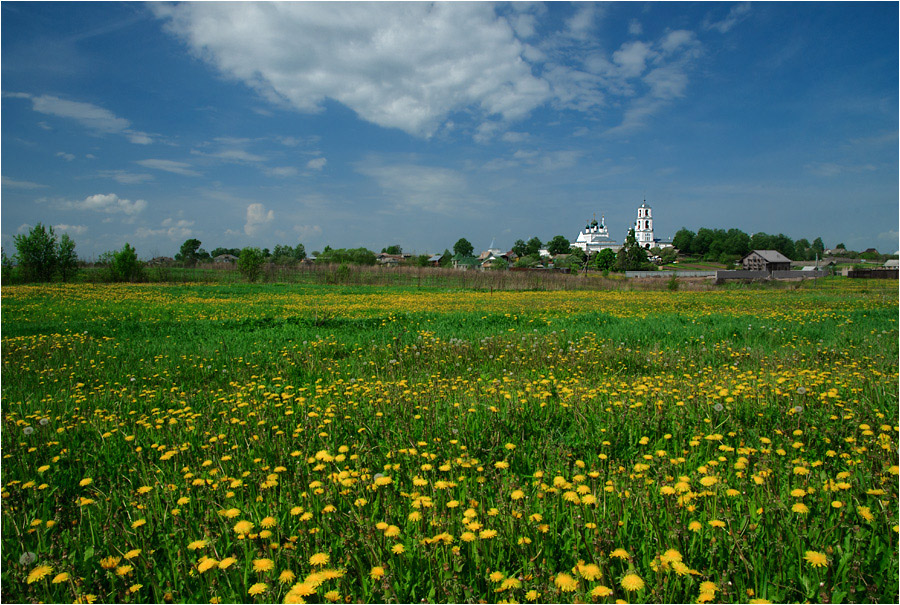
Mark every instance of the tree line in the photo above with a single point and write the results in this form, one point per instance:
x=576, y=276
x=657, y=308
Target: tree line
x=727, y=247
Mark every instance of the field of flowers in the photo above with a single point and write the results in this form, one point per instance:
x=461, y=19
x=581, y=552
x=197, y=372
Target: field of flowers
x=273, y=443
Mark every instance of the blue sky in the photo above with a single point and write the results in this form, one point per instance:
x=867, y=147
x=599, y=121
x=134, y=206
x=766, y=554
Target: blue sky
x=379, y=123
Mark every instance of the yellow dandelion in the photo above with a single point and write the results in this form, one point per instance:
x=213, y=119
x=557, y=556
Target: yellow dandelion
x=131, y=554
x=109, y=562
x=138, y=523
x=258, y=588
x=708, y=587
x=227, y=562
x=866, y=513
x=632, y=582
x=206, y=564
x=517, y=494
x=589, y=572
x=134, y=588
x=144, y=489
x=510, y=584
x=392, y=531
x=243, y=527
x=532, y=595
x=376, y=572
x=85, y=482
x=801, y=508
x=487, y=534
x=195, y=545
x=62, y=577
x=497, y=576
x=716, y=523
x=320, y=558
x=467, y=536
x=123, y=570
x=601, y=591
x=263, y=565
x=38, y=573
x=398, y=549
x=286, y=576
x=333, y=596
x=619, y=553
x=815, y=558
x=565, y=582
x=694, y=526
x=268, y=522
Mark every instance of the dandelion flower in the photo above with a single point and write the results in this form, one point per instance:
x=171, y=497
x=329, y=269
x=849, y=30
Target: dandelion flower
x=565, y=582
x=708, y=587
x=263, y=565
x=206, y=564
x=85, y=482
x=467, y=536
x=392, y=531
x=619, y=553
x=109, y=562
x=398, y=549
x=243, y=527
x=123, y=570
x=320, y=558
x=632, y=582
x=517, y=494
x=134, y=588
x=815, y=558
x=138, y=523
x=589, y=572
x=376, y=572
x=258, y=588
x=497, y=576
x=286, y=576
x=227, y=562
x=333, y=596
x=601, y=591
x=716, y=523
x=801, y=508
x=510, y=584
x=694, y=526
x=487, y=534
x=196, y=544
x=268, y=522
x=131, y=554
x=38, y=573
x=61, y=577
x=865, y=513
x=532, y=595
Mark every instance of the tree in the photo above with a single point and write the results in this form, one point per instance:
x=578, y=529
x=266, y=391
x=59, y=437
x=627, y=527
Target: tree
x=299, y=252
x=683, y=239
x=533, y=247
x=500, y=264
x=446, y=259
x=37, y=253
x=66, y=258
x=841, y=246
x=125, y=264
x=818, y=246
x=283, y=255
x=250, y=263
x=189, y=253
x=463, y=247
x=632, y=257
x=605, y=259
x=558, y=245
x=394, y=249
x=520, y=248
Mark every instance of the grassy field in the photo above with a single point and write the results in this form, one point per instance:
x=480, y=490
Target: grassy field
x=269, y=443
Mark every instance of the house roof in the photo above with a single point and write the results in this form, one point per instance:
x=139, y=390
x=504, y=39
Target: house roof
x=435, y=258
x=771, y=256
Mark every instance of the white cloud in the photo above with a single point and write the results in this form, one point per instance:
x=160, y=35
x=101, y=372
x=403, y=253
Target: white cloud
x=307, y=231
x=316, y=163
x=829, y=169
x=282, y=171
x=66, y=156
x=8, y=182
x=182, y=168
x=108, y=203
x=632, y=58
x=581, y=24
x=417, y=187
x=257, y=218
x=125, y=177
x=635, y=28
x=174, y=230
x=92, y=117
x=403, y=65
x=70, y=229
x=737, y=14
x=24, y=228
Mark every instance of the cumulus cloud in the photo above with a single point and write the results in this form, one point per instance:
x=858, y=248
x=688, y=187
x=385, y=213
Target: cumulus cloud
x=170, y=228
x=257, y=218
x=402, y=65
x=108, y=203
x=182, y=168
x=316, y=163
x=70, y=229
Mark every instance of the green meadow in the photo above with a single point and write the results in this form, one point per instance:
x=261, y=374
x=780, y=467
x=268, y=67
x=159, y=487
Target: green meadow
x=315, y=443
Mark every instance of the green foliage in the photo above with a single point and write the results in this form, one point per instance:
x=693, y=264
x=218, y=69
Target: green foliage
x=122, y=265
x=533, y=247
x=446, y=259
x=558, y=245
x=220, y=251
x=528, y=261
x=394, y=249
x=683, y=240
x=189, y=254
x=672, y=284
x=250, y=263
x=463, y=247
x=37, y=253
x=500, y=264
x=605, y=259
x=520, y=248
x=353, y=256
x=67, y=259
x=632, y=257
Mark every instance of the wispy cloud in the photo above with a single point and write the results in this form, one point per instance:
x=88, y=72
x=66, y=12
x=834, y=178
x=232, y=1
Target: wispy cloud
x=8, y=182
x=125, y=177
x=170, y=228
x=70, y=229
x=737, y=14
x=182, y=168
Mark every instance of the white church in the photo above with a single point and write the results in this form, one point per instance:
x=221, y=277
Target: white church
x=595, y=236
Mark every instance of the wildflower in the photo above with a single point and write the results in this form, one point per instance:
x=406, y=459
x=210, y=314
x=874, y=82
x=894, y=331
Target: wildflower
x=131, y=554
x=85, y=482
x=487, y=534
x=716, y=523
x=392, y=531
x=601, y=591
x=800, y=508
x=138, y=523
x=134, y=588
x=496, y=576
x=565, y=582
x=619, y=553
x=532, y=595
x=694, y=526
x=226, y=562
x=28, y=430
x=837, y=504
x=708, y=587
x=320, y=558
x=632, y=582
x=197, y=544
x=243, y=527
x=589, y=572
x=124, y=570
x=376, y=572
x=38, y=573
x=144, y=489
x=815, y=558
x=61, y=577
x=258, y=588
x=263, y=565
x=206, y=564
x=398, y=549
x=286, y=576
x=865, y=513
x=109, y=562
x=333, y=596
x=231, y=513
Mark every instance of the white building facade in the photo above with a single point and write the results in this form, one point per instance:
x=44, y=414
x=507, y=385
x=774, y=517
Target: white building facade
x=643, y=229
x=595, y=237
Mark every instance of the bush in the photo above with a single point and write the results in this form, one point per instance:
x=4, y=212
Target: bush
x=250, y=263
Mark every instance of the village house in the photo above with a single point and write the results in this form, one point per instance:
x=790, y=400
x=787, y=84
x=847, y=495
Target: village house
x=766, y=260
